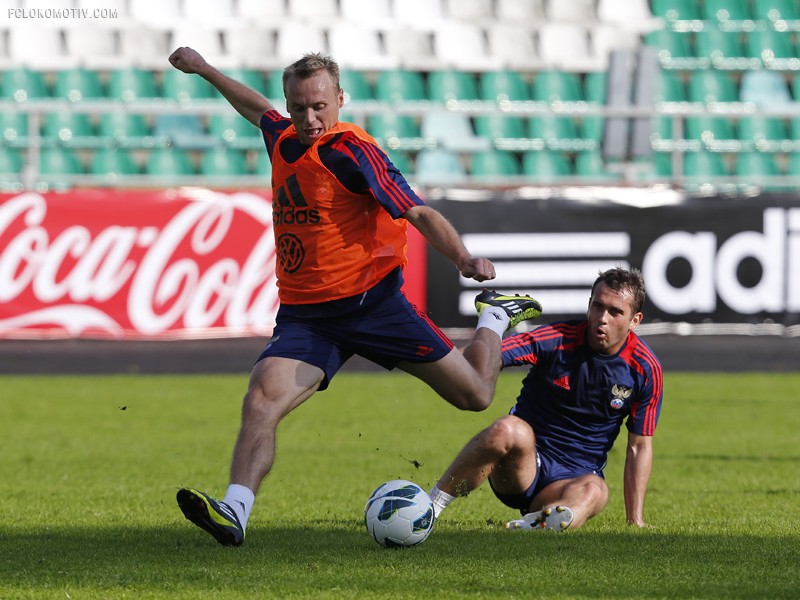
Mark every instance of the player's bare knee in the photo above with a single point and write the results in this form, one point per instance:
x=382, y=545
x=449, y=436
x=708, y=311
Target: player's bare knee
x=508, y=434
x=257, y=406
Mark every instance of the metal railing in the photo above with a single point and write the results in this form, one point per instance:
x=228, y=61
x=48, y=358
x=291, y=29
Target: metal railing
x=629, y=171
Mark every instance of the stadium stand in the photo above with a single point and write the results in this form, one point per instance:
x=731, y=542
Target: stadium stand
x=508, y=88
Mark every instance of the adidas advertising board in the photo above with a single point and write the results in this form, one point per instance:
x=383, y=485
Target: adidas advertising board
x=718, y=260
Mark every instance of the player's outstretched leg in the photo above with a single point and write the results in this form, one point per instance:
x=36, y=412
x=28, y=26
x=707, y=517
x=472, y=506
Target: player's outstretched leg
x=217, y=518
x=557, y=518
x=518, y=307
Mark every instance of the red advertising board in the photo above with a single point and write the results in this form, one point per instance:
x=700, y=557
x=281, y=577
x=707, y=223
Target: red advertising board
x=144, y=264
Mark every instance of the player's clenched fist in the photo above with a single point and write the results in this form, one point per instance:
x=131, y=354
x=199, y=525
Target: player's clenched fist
x=187, y=60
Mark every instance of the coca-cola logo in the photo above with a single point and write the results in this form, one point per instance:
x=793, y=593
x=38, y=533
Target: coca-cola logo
x=138, y=264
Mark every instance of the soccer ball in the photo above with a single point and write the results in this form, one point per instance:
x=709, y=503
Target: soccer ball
x=399, y=514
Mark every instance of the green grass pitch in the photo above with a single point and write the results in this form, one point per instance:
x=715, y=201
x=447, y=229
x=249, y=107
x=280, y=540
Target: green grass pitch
x=90, y=466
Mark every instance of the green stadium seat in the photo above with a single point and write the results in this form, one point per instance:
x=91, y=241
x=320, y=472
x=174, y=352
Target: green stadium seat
x=78, y=84
x=766, y=133
x=59, y=161
x=592, y=127
x=494, y=164
x=555, y=131
x=234, y=130
x=223, y=162
x=131, y=84
x=754, y=167
x=545, y=166
x=185, y=87
x=794, y=128
x=400, y=86
x=355, y=86
x=776, y=10
x=252, y=78
x=21, y=84
x=125, y=128
x=182, y=131
x=395, y=130
x=675, y=10
x=169, y=162
x=773, y=48
x=498, y=125
x=263, y=166
x=654, y=168
x=11, y=162
x=112, y=162
x=401, y=160
x=590, y=165
x=452, y=86
x=69, y=128
x=702, y=165
x=669, y=88
x=725, y=10
x=674, y=48
x=594, y=87
x=14, y=128
x=712, y=86
x=503, y=86
x=556, y=86
x=709, y=129
x=794, y=164
x=274, y=89
x=723, y=49
x=439, y=167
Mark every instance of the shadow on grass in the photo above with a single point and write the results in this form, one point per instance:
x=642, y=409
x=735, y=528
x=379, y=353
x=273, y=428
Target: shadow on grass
x=339, y=559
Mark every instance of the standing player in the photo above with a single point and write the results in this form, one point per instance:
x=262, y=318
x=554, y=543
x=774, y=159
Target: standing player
x=586, y=377
x=340, y=210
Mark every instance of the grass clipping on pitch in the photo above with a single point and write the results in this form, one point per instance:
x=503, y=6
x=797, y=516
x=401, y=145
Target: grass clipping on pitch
x=90, y=467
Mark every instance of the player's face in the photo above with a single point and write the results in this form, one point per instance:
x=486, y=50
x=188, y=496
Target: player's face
x=313, y=105
x=610, y=318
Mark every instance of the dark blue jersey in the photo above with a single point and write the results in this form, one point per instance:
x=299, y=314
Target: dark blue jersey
x=360, y=166
x=576, y=399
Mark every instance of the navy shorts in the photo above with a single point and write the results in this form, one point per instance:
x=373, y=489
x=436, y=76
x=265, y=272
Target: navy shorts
x=548, y=471
x=380, y=325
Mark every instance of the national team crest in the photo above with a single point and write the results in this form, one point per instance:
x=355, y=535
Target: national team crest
x=619, y=394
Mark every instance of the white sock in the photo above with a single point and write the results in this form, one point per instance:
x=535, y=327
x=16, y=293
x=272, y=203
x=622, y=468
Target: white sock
x=494, y=318
x=440, y=500
x=241, y=500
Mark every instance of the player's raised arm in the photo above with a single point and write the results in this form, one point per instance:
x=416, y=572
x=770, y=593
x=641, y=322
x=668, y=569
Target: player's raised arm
x=247, y=102
x=442, y=235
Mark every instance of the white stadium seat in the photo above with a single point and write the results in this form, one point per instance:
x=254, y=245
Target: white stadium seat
x=95, y=48
x=514, y=46
x=253, y=47
x=321, y=12
x=261, y=13
x=158, y=14
x=148, y=48
x=296, y=38
x=479, y=11
x=419, y=14
x=462, y=45
x=48, y=53
x=529, y=12
x=356, y=47
x=566, y=46
x=581, y=11
x=207, y=42
x=372, y=13
x=412, y=47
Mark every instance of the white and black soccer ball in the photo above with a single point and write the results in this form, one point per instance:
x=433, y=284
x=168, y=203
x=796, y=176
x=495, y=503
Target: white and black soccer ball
x=399, y=514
